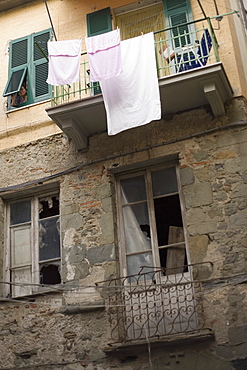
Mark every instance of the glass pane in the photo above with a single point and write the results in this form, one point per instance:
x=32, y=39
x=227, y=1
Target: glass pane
x=49, y=239
x=22, y=277
x=15, y=82
x=133, y=189
x=20, y=212
x=136, y=228
x=20, y=246
x=164, y=181
x=134, y=263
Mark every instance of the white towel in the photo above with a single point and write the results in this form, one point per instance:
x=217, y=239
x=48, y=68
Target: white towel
x=132, y=99
x=64, y=62
x=104, y=55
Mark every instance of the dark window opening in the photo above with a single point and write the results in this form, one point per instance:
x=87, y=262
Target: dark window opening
x=49, y=275
x=167, y=213
x=170, y=231
x=48, y=207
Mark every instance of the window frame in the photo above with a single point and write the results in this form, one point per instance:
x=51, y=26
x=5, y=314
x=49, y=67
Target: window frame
x=30, y=74
x=36, y=285
x=187, y=10
x=147, y=170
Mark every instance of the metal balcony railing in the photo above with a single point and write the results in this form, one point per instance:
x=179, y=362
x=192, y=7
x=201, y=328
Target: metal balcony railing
x=186, y=46
x=156, y=303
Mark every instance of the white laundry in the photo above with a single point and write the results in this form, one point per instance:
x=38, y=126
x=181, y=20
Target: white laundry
x=132, y=99
x=64, y=62
x=104, y=55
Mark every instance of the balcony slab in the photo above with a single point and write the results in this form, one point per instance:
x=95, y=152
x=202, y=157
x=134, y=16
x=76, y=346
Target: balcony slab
x=182, y=91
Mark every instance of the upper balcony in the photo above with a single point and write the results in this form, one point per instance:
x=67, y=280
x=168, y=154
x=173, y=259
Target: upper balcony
x=190, y=75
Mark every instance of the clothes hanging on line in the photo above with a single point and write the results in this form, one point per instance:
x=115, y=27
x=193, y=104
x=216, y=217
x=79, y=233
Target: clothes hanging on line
x=132, y=98
x=104, y=55
x=64, y=62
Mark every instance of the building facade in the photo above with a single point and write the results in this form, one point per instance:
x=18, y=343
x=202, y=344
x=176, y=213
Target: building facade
x=124, y=251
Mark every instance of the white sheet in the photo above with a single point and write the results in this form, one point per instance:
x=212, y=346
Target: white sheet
x=64, y=62
x=132, y=99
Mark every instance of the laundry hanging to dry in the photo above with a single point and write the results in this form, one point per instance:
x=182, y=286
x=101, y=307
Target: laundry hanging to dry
x=64, y=62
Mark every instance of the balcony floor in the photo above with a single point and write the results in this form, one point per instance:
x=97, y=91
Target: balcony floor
x=197, y=87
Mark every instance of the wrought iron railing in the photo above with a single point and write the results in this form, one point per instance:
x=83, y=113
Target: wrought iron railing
x=187, y=46
x=154, y=304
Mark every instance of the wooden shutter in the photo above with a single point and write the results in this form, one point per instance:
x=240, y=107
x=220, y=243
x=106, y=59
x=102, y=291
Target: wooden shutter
x=41, y=89
x=17, y=66
x=99, y=22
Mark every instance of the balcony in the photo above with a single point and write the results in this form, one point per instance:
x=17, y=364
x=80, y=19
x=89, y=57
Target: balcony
x=190, y=75
x=159, y=304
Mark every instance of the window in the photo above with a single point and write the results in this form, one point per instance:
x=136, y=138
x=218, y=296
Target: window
x=177, y=13
x=33, y=244
x=133, y=20
x=157, y=284
x=28, y=70
x=151, y=222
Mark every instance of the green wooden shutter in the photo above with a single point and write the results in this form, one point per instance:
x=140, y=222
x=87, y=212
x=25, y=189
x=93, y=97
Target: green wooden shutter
x=178, y=12
x=18, y=62
x=99, y=22
x=40, y=88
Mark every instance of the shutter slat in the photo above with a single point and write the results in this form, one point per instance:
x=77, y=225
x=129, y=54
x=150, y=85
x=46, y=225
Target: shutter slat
x=41, y=40
x=41, y=73
x=173, y=5
x=19, y=53
x=99, y=22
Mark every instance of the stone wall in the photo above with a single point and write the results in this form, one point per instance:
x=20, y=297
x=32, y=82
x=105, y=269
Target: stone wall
x=69, y=329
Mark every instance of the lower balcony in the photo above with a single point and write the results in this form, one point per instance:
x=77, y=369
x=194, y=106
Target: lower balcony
x=160, y=304
x=189, y=71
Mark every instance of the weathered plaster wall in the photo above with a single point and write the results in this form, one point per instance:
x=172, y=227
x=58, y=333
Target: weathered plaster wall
x=67, y=324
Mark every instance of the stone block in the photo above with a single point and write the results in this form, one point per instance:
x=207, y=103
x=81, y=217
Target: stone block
x=238, y=334
x=107, y=204
x=200, y=155
x=101, y=254
x=72, y=220
x=107, y=228
x=240, y=191
x=239, y=219
x=198, y=194
x=203, y=228
x=236, y=165
x=231, y=209
x=187, y=176
x=198, y=247
x=104, y=191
